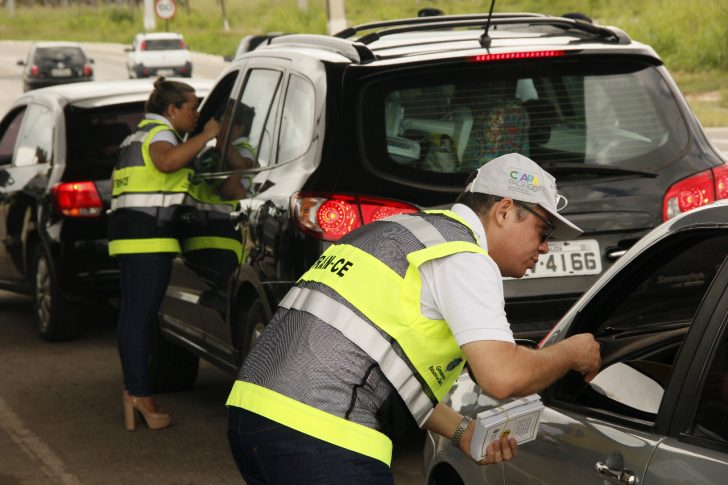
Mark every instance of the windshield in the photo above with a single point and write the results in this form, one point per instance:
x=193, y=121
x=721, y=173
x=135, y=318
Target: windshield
x=64, y=54
x=619, y=114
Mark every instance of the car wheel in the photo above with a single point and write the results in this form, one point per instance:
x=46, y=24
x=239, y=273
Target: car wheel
x=251, y=322
x=171, y=368
x=55, y=316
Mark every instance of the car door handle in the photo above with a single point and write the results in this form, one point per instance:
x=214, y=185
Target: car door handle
x=615, y=254
x=625, y=477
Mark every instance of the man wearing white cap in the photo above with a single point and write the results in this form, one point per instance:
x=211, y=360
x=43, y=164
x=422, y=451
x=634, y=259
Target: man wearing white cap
x=385, y=320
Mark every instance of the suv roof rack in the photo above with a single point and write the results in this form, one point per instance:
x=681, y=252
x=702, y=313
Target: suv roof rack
x=608, y=34
x=352, y=50
x=352, y=31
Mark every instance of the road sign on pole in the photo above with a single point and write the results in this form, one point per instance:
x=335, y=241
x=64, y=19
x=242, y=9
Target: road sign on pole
x=165, y=9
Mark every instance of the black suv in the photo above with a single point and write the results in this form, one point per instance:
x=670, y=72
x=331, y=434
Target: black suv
x=393, y=116
x=58, y=146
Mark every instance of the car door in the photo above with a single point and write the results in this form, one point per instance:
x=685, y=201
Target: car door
x=26, y=183
x=276, y=250
x=198, y=299
x=611, y=428
x=696, y=448
x=9, y=130
x=192, y=299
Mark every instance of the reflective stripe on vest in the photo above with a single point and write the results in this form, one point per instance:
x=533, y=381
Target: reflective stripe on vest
x=151, y=245
x=213, y=242
x=311, y=421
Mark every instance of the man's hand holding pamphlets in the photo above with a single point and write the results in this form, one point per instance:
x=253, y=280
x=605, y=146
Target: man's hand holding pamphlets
x=516, y=419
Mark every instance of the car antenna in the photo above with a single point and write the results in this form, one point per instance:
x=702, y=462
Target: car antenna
x=484, y=39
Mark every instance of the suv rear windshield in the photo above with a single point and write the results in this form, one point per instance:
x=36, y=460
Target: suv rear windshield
x=94, y=136
x=162, y=44
x=438, y=126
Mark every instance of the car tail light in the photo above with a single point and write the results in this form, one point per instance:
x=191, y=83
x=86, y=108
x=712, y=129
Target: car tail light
x=183, y=69
x=182, y=44
x=696, y=191
x=507, y=56
x=34, y=70
x=331, y=216
x=143, y=45
x=77, y=199
x=87, y=70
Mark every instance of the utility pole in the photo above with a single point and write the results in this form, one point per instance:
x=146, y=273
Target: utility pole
x=337, y=16
x=150, y=20
x=225, y=23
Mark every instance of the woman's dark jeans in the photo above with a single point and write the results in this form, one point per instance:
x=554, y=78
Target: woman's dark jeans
x=144, y=280
x=267, y=452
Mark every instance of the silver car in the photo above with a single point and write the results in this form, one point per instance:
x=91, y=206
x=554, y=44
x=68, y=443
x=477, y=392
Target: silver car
x=658, y=410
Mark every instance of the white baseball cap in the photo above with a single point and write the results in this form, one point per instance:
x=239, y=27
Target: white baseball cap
x=520, y=178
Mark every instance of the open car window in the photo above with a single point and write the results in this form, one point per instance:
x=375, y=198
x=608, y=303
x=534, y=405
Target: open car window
x=641, y=319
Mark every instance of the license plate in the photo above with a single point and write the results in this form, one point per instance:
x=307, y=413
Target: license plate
x=165, y=72
x=568, y=258
x=59, y=72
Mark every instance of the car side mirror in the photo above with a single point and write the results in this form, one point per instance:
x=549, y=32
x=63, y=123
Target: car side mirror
x=227, y=58
x=21, y=62
x=128, y=49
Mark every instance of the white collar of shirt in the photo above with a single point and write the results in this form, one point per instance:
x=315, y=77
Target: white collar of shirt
x=156, y=117
x=473, y=221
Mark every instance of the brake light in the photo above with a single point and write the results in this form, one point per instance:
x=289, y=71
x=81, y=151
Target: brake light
x=143, y=45
x=34, y=70
x=331, y=216
x=87, y=70
x=182, y=44
x=77, y=199
x=696, y=191
x=507, y=56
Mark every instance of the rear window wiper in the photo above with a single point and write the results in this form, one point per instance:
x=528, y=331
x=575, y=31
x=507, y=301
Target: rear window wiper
x=594, y=168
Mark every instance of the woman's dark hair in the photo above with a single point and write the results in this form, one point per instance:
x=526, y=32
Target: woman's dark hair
x=166, y=93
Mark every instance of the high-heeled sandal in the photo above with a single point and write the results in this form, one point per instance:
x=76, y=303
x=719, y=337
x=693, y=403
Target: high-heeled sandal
x=154, y=419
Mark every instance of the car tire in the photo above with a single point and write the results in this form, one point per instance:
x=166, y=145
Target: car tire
x=171, y=368
x=56, y=317
x=251, y=322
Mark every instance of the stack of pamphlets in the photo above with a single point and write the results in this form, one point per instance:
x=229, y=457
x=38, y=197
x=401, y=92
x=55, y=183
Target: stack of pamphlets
x=515, y=419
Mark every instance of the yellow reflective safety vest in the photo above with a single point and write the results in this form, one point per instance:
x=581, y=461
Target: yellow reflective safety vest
x=367, y=288
x=145, y=199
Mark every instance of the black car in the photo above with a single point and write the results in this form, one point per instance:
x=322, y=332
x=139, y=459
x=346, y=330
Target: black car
x=656, y=411
x=58, y=147
x=394, y=116
x=52, y=63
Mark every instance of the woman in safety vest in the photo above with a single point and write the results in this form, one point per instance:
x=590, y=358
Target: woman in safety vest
x=150, y=184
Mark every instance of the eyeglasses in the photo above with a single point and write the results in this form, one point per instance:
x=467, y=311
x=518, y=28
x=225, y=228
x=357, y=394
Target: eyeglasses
x=546, y=234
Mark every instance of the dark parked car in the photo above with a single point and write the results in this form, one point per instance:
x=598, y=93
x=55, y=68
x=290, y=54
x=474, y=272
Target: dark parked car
x=58, y=147
x=656, y=412
x=52, y=63
x=394, y=116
